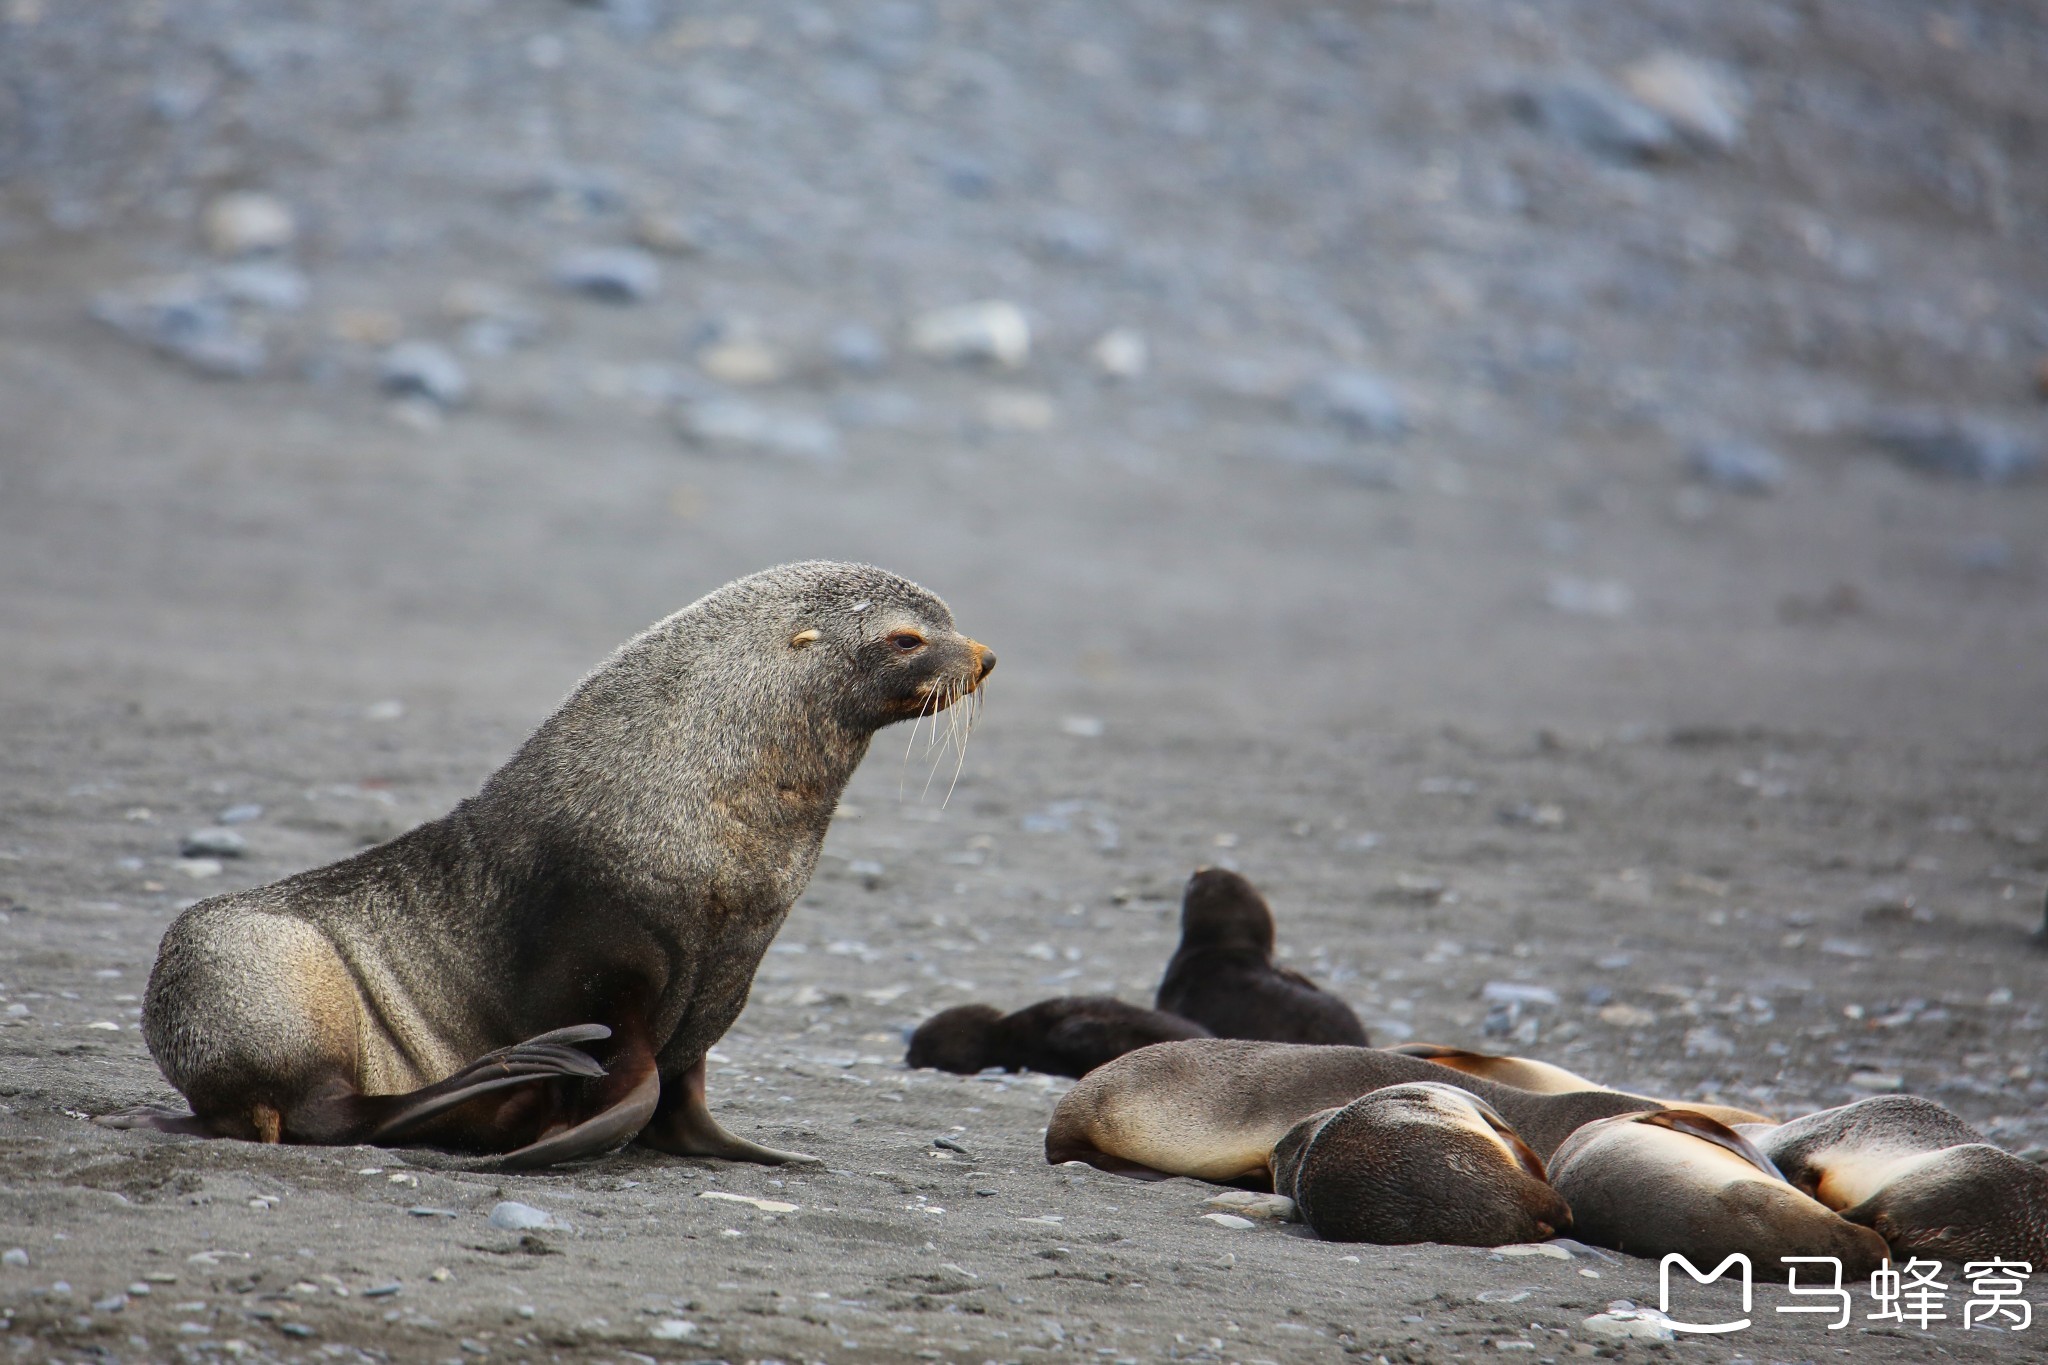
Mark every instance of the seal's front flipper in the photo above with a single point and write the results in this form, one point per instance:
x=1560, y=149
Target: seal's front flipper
x=158, y=1119
x=541, y=1058
x=683, y=1126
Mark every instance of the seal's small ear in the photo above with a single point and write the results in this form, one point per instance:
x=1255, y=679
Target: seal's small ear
x=803, y=638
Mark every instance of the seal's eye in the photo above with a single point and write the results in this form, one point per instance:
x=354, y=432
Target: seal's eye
x=906, y=640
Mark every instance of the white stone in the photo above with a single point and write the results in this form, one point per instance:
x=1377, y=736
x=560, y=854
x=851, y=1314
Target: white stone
x=994, y=331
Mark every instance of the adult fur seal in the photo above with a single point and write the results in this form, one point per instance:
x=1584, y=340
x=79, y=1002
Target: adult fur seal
x=541, y=971
x=1067, y=1036
x=1424, y=1162
x=1214, y=1108
x=1675, y=1180
x=1925, y=1180
x=1224, y=978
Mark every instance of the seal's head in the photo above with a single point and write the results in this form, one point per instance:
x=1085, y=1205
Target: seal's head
x=894, y=641
x=1221, y=909
x=961, y=1040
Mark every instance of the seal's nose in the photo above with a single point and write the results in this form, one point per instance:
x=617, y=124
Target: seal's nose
x=983, y=656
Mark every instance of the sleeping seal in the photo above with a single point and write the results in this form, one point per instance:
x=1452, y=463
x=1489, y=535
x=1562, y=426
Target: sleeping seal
x=541, y=971
x=1067, y=1036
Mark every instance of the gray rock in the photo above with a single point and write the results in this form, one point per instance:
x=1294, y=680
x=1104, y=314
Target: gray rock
x=424, y=369
x=213, y=842
x=858, y=348
x=616, y=274
x=16, y=1257
x=241, y=814
x=189, y=320
x=1074, y=238
x=889, y=408
x=1736, y=466
x=1359, y=402
x=994, y=331
x=1598, y=117
x=734, y=424
x=1516, y=993
x=1956, y=445
x=1703, y=103
x=513, y=1216
x=271, y=285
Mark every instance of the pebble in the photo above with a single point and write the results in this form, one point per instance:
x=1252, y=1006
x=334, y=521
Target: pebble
x=1269, y=1208
x=1017, y=410
x=1534, y=814
x=669, y=234
x=513, y=1216
x=271, y=285
x=14, y=1256
x=248, y=223
x=240, y=815
x=1598, y=116
x=1627, y=1016
x=189, y=320
x=1631, y=1324
x=765, y=1205
x=616, y=274
x=1358, y=402
x=994, y=331
x=213, y=842
x=1708, y=1041
x=1516, y=993
x=673, y=1329
x=857, y=348
x=1606, y=598
x=736, y=424
x=426, y=370
x=1121, y=353
x=1227, y=1220
x=1519, y=1249
x=741, y=362
x=1877, y=1082
x=1736, y=467
x=1957, y=446
x=1703, y=103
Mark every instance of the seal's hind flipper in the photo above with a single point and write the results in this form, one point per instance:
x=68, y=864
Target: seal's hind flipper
x=594, y=1135
x=158, y=1119
x=682, y=1126
x=1709, y=1129
x=540, y=1058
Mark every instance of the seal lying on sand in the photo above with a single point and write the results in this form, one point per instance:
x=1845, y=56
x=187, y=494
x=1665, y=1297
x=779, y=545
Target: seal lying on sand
x=1525, y=1073
x=541, y=971
x=1674, y=1180
x=1223, y=976
x=1424, y=1162
x=1067, y=1036
x=1925, y=1180
x=1214, y=1108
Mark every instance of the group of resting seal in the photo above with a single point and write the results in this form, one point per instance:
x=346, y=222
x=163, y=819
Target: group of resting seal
x=539, y=974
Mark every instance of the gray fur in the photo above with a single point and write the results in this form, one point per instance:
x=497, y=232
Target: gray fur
x=659, y=825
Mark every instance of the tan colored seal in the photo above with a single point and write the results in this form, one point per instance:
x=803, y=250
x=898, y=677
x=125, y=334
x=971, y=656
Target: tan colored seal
x=1673, y=1180
x=1525, y=1073
x=1214, y=1108
x=541, y=971
x=1422, y=1162
x=1925, y=1180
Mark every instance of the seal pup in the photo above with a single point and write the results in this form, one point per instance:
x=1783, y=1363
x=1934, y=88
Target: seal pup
x=1224, y=978
x=1214, y=1108
x=540, y=972
x=1067, y=1036
x=1422, y=1162
x=1675, y=1180
x=1526, y=1073
x=1923, y=1179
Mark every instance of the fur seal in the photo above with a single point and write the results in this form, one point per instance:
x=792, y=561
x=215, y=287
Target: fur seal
x=1214, y=1108
x=1926, y=1181
x=1423, y=1162
x=1224, y=978
x=1525, y=1073
x=1067, y=1036
x=540, y=972
x=1674, y=1180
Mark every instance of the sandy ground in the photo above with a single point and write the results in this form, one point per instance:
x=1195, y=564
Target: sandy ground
x=1774, y=829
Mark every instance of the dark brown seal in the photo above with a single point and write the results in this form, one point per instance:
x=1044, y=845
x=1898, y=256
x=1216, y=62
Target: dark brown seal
x=1224, y=978
x=1420, y=1162
x=541, y=971
x=1067, y=1036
